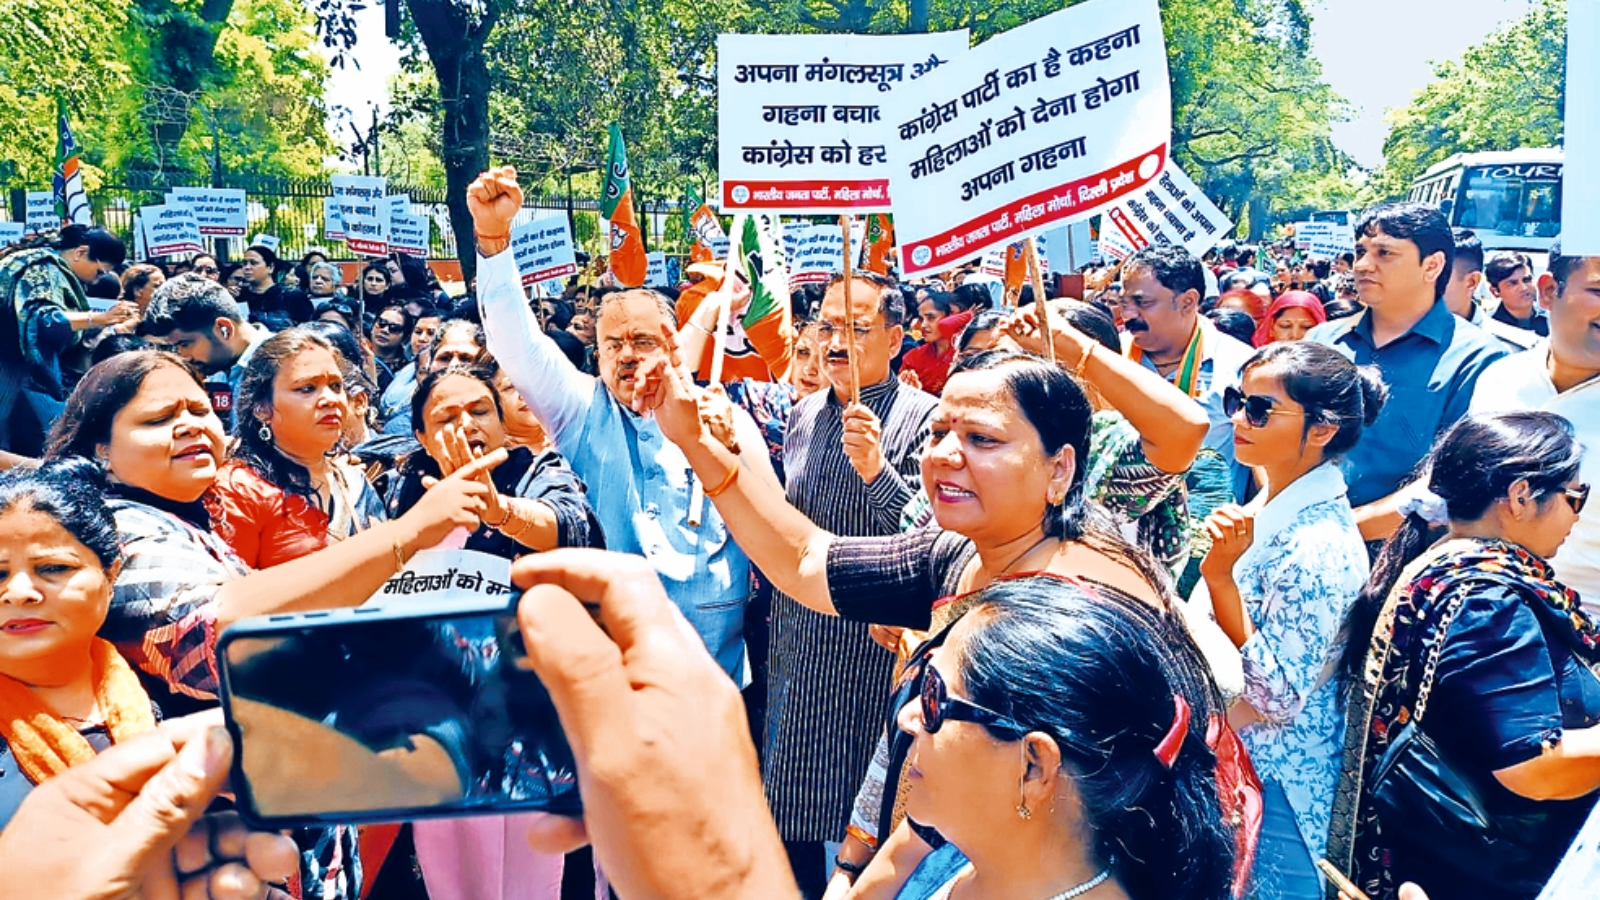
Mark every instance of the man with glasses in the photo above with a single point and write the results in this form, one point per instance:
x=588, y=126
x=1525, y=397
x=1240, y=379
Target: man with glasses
x=851, y=468
x=1562, y=375
x=640, y=483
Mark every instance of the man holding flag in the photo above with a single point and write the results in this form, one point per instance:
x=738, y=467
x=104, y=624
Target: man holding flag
x=625, y=258
x=72, y=202
x=701, y=226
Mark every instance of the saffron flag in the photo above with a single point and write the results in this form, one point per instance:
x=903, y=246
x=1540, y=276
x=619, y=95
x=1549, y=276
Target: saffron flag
x=72, y=202
x=625, y=256
x=1016, y=271
x=880, y=243
x=702, y=227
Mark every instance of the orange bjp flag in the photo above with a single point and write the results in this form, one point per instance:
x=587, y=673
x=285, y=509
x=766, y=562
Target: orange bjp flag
x=880, y=243
x=1016, y=269
x=625, y=246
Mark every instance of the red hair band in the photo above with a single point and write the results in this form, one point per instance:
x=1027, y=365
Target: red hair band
x=1167, y=750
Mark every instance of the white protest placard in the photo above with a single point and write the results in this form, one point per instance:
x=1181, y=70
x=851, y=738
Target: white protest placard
x=803, y=121
x=655, y=274
x=1114, y=245
x=445, y=575
x=170, y=229
x=1325, y=240
x=410, y=234
x=818, y=251
x=269, y=241
x=221, y=212
x=1580, y=203
x=10, y=232
x=332, y=222
x=364, y=211
x=399, y=204
x=543, y=249
x=1170, y=210
x=41, y=214
x=1039, y=126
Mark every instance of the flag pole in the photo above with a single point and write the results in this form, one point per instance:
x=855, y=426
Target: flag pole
x=722, y=296
x=850, y=316
x=1036, y=277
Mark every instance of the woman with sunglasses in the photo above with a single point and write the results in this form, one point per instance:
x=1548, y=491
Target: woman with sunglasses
x=1281, y=574
x=1059, y=746
x=391, y=342
x=1464, y=635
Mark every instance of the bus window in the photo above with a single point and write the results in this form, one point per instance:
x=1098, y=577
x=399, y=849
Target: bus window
x=1490, y=203
x=1541, y=209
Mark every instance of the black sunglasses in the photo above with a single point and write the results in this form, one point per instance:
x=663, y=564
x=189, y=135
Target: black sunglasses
x=1577, y=497
x=1257, y=407
x=939, y=707
x=395, y=327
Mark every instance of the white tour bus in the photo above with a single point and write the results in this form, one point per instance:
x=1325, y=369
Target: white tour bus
x=1511, y=199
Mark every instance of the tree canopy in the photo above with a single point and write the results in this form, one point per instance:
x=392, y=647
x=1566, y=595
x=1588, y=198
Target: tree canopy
x=1506, y=92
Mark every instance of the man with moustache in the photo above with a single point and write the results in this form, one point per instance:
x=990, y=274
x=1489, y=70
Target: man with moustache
x=641, y=484
x=852, y=467
x=1164, y=332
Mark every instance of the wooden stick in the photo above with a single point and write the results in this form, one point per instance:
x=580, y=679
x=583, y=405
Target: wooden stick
x=1036, y=277
x=850, y=317
x=723, y=297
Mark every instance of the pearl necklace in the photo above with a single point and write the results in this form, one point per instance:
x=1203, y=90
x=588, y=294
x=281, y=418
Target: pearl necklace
x=1084, y=888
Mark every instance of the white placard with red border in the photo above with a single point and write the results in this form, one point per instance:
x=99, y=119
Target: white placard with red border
x=411, y=234
x=543, y=249
x=332, y=222
x=804, y=121
x=170, y=229
x=1042, y=125
x=364, y=210
x=1170, y=210
x=816, y=252
x=41, y=212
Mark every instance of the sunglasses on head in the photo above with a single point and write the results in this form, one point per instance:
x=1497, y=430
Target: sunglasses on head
x=1257, y=407
x=1576, y=497
x=939, y=707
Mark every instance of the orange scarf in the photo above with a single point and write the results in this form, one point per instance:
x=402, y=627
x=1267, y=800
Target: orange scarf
x=44, y=745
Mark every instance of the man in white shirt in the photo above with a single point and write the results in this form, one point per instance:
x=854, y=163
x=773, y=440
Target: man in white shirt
x=1562, y=375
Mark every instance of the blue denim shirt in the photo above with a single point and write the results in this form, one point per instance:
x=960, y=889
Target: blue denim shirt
x=639, y=482
x=1430, y=370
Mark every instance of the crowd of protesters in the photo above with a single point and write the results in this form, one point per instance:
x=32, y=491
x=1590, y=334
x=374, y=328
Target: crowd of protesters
x=909, y=605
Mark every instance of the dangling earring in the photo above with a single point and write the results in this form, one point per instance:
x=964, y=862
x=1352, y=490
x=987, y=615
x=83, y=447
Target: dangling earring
x=1024, y=811
x=265, y=432
x=1022, y=798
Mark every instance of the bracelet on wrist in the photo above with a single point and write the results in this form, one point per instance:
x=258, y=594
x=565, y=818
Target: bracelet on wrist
x=1083, y=361
x=719, y=490
x=851, y=869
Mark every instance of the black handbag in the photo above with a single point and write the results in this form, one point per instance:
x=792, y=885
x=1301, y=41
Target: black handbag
x=1430, y=807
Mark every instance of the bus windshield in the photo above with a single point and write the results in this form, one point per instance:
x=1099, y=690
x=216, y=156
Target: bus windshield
x=1521, y=201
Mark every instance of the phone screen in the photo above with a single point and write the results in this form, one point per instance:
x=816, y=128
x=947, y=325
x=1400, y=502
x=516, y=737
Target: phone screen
x=374, y=715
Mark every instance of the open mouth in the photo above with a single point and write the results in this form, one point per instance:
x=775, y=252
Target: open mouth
x=949, y=493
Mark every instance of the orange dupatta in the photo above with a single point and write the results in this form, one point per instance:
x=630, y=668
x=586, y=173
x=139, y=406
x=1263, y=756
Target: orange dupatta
x=44, y=745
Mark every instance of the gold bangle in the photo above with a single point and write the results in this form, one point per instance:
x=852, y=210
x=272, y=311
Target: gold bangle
x=733, y=475
x=502, y=523
x=1083, y=361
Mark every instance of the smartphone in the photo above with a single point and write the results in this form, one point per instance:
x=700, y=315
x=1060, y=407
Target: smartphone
x=385, y=713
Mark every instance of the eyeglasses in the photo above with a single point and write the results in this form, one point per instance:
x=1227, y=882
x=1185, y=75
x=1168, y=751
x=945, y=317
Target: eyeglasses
x=939, y=707
x=1577, y=497
x=826, y=331
x=641, y=345
x=391, y=327
x=207, y=270
x=1257, y=407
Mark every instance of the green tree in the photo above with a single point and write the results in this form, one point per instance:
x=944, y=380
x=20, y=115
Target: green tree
x=1506, y=92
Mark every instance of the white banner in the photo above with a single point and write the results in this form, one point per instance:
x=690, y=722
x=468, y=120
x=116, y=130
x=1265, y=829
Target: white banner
x=364, y=210
x=1030, y=131
x=803, y=121
x=993, y=262
x=1325, y=240
x=170, y=229
x=269, y=241
x=543, y=249
x=399, y=204
x=655, y=274
x=410, y=233
x=41, y=213
x=10, y=232
x=1171, y=210
x=1580, y=204
x=332, y=222
x=442, y=576
x=221, y=212
x=816, y=252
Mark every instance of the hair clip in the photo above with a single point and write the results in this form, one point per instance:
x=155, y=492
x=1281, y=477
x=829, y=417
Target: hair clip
x=1172, y=743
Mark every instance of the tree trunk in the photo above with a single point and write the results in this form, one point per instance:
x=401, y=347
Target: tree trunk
x=917, y=17
x=455, y=47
